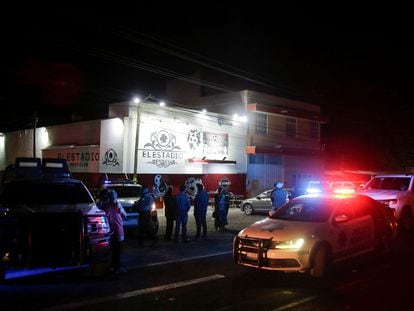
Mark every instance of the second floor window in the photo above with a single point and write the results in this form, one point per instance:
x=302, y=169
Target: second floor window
x=261, y=123
x=291, y=127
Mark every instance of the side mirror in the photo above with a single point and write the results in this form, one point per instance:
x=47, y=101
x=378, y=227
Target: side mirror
x=258, y=197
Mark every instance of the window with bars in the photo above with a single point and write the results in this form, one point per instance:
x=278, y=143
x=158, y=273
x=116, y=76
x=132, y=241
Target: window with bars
x=291, y=127
x=261, y=123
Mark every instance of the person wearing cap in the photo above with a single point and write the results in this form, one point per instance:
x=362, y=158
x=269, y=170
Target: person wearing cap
x=278, y=196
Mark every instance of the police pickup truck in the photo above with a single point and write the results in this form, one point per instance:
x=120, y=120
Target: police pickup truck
x=395, y=191
x=49, y=221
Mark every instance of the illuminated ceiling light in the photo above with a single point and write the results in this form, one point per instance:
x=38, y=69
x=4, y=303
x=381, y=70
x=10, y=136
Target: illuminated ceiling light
x=162, y=104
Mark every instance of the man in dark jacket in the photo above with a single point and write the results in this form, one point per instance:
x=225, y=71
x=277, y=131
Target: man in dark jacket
x=145, y=227
x=183, y=206
x=170, y=210
x=200, y=210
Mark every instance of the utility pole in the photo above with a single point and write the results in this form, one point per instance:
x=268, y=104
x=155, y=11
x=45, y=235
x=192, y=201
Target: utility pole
x=35, y=120
x=137, y=101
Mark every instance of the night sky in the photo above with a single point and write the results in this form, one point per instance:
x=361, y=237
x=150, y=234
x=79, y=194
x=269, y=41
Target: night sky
x=355, y=62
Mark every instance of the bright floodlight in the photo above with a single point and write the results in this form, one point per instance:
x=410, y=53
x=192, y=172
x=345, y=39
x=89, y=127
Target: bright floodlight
x=137, y=100
x=162, y=104
x=204, y=110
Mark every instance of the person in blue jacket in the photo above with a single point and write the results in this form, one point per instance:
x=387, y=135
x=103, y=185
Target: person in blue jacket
x=279, y=196
x=200, y=210
x=183, y=206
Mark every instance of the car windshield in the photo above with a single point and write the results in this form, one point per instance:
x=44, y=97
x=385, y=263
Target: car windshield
x=29, y=192
x=310, y=210
x=126, y=191
x=389, y=183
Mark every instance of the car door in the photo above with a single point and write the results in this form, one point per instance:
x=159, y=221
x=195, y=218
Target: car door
x=362, y=232
x=263, y=201
x=341, y=230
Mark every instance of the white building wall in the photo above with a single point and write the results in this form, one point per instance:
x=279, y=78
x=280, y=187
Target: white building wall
x=169, y=138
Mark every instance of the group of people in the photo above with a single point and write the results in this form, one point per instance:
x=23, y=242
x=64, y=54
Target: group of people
x=176, y=209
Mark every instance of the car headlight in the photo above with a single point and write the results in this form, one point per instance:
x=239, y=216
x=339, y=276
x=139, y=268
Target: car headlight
x=290, y=244
x=389, y=202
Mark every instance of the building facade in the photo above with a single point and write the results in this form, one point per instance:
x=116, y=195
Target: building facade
x=283, y=138
x=174, y=145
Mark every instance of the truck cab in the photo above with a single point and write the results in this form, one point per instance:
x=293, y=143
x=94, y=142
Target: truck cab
x=396, y=192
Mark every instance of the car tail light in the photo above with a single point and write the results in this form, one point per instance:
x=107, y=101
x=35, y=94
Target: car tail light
x=97, y=224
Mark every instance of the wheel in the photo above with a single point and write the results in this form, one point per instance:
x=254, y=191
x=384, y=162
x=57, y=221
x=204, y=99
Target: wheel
x=320, y=262
x=248, y=209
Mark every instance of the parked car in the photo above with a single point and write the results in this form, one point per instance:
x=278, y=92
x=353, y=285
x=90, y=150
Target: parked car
x=49, y=221
x=129, y=193
x=311, y=232
x=259, y=203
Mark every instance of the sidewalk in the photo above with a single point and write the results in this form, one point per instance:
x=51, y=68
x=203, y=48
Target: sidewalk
x=163, y=252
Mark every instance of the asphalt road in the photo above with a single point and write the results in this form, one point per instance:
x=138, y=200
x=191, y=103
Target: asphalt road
x=201, y=275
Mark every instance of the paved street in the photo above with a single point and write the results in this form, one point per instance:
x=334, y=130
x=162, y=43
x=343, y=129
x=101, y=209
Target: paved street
x=215, y=243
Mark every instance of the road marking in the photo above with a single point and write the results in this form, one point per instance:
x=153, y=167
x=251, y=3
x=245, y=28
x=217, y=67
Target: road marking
x=179, y=260
x=134, y=293
x=296, y=303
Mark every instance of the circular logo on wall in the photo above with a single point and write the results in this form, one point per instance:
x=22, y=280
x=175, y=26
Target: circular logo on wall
x=111, y=158
x=224, y=182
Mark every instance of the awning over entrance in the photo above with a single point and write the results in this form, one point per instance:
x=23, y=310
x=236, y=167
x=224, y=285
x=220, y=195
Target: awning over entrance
x=212, y=161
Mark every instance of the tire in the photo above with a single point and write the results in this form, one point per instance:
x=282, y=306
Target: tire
x=320, y=262
x=248, y=209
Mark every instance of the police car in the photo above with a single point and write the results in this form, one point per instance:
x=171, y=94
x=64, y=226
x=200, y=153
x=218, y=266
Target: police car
x=128, y=193
x=311, y=232
x=49, y=221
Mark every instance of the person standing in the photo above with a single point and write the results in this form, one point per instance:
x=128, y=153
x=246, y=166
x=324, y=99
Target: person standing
x=222, y=211
x=115, y=213
x=170, y=210
x=200, y=210
x=145, y=227
x=279, y=196
x=216, y=207
x=183, y=206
